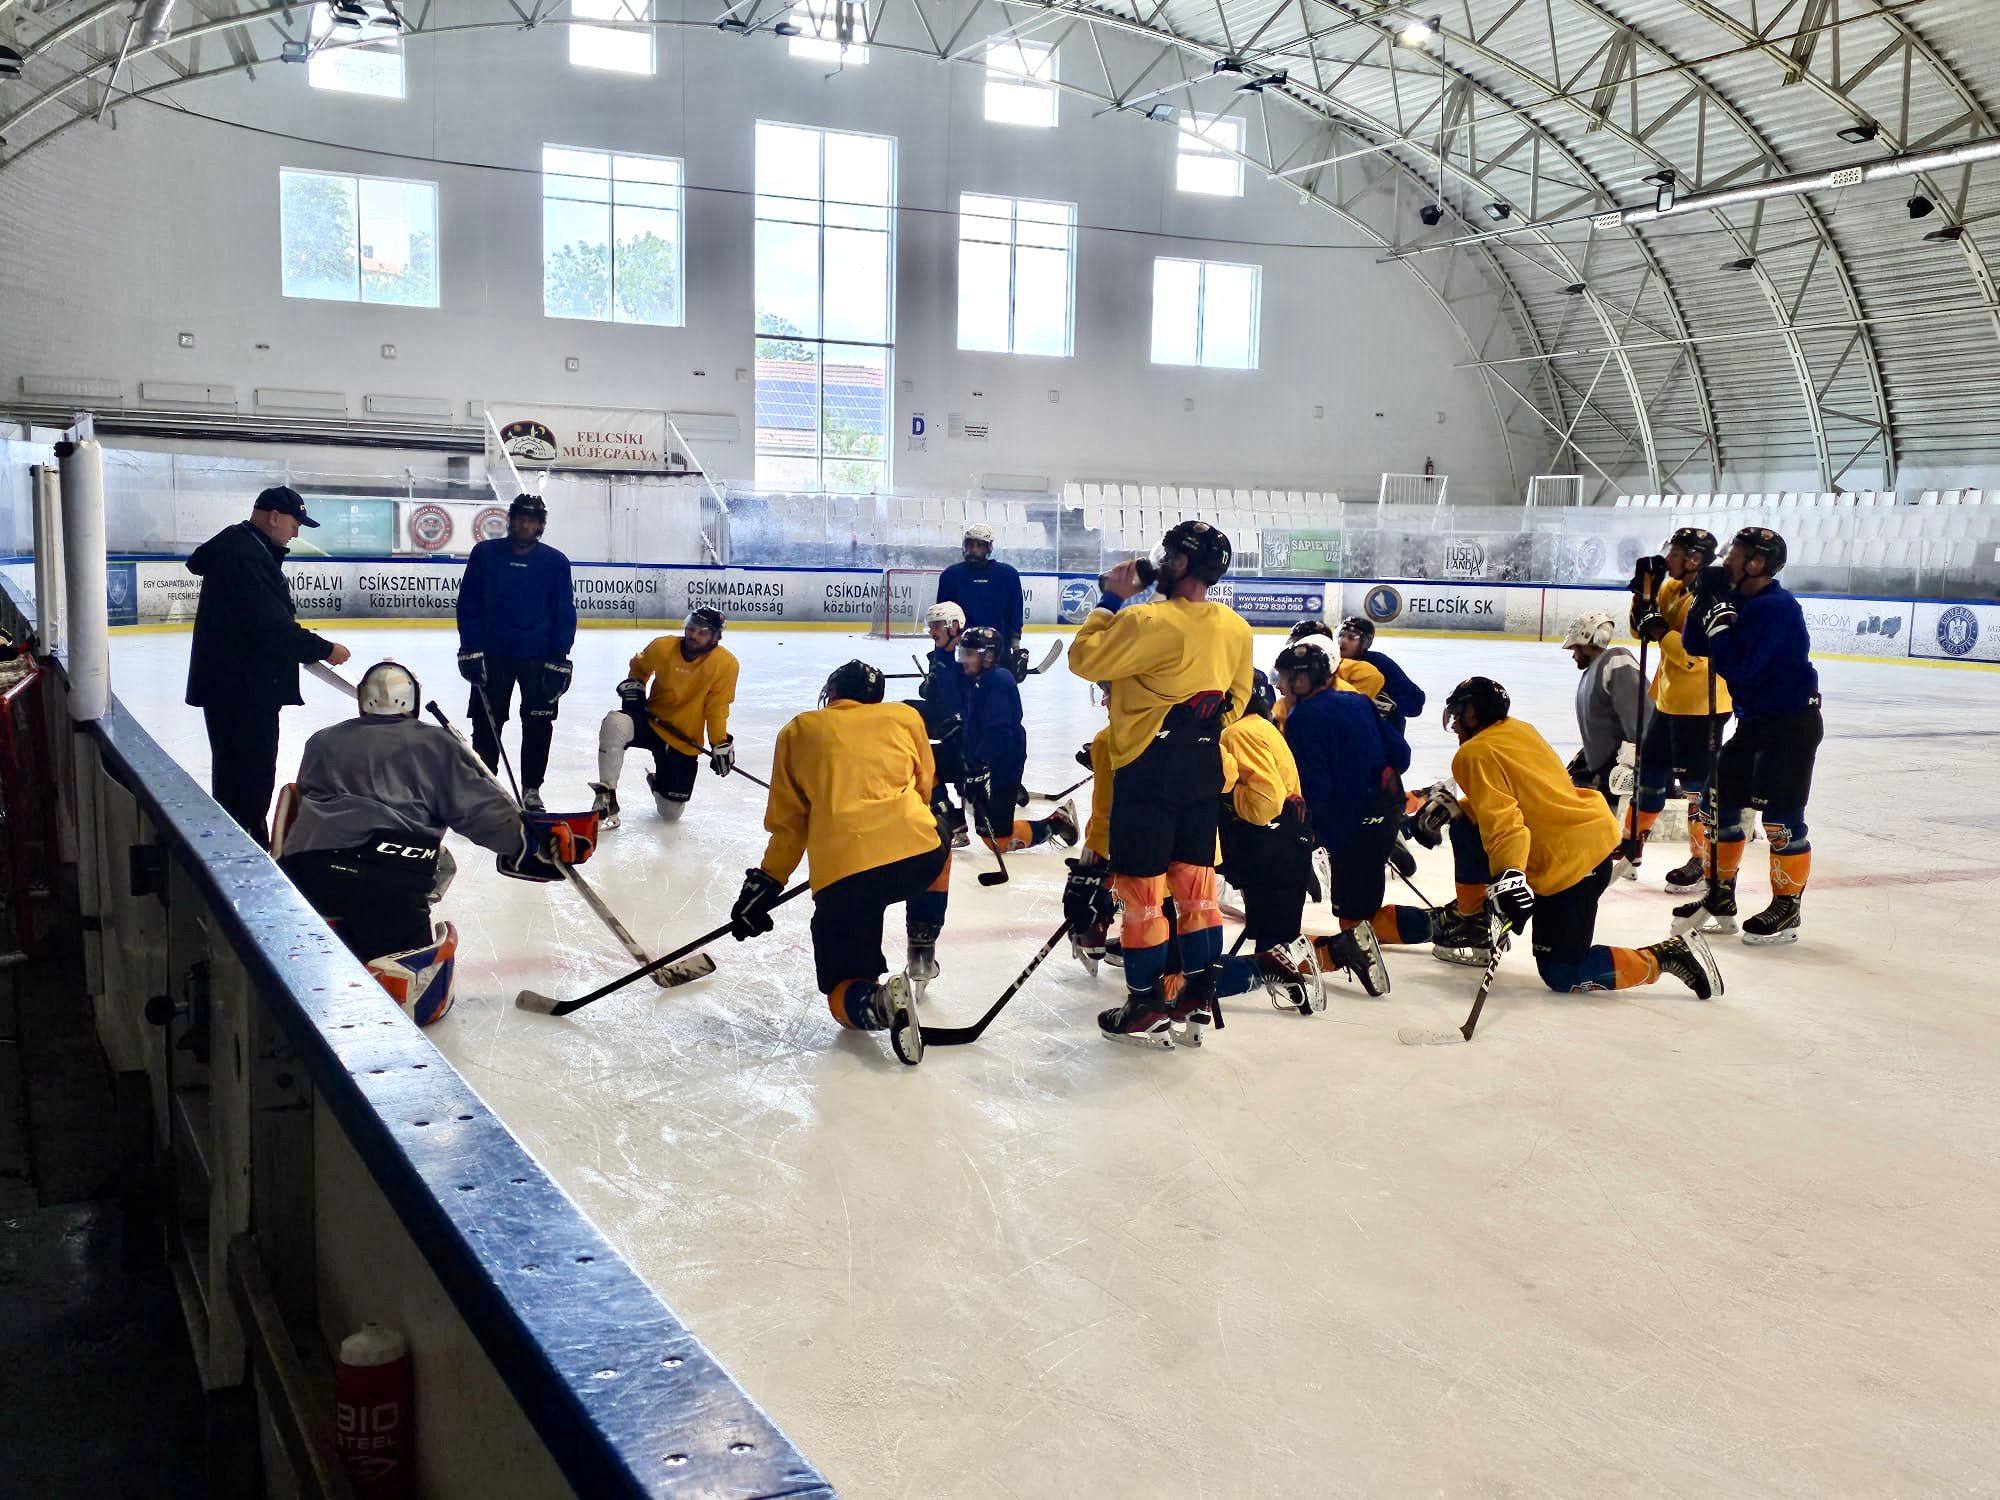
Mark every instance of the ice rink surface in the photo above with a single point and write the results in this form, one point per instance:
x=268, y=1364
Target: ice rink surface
x=1626, y=1244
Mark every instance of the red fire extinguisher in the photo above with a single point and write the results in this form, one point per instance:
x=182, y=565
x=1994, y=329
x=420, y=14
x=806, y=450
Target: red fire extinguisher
x=374, y=1413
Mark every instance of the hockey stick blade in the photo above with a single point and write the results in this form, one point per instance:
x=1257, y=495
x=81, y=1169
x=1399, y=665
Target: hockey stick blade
x=959, y=1036
x=534, y=1000
x=993, y=877
x=332, y=678
x=1418, y=1036
x=1055, y=651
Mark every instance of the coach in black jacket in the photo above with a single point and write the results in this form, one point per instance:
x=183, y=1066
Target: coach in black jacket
x=247, y=648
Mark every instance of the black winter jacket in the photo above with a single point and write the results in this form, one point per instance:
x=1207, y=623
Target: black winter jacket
x=247, y=642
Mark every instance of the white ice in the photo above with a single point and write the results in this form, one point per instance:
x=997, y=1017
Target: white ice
x=1621, y=1244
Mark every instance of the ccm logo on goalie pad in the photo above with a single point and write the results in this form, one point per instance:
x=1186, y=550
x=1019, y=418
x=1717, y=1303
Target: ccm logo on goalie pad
x=406, y=851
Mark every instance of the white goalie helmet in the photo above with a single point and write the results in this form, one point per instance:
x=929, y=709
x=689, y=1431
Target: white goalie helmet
x=389, y=689
x=944, y=614
x=1594, y=628
x=978, y=531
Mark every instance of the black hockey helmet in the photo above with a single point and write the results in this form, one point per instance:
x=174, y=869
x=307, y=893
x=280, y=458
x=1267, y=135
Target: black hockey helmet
x=529, y=505
x=1762, y=541
x=1204, y=551
x=1307, y=656
x=1307, y=628
x=1263, y=697
x=979, y=638
x=1482, y=695
x=1360, y=627
x=710, y=618
x=1695, y=539
x=856, y=681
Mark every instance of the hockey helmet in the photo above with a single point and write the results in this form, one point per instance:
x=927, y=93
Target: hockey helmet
x=1309, y=656
x=1483, y=696
x=979, y=640
x=1361, y=628
x=1592, y=628
x=1761, y=541
x=1203, y=550
x=1307, y=628
x=529, y=505
x=1263, y=697
x=388, y=690
x=946, y=613
x=978, y=531
x=1695, y=539
x=855, y=681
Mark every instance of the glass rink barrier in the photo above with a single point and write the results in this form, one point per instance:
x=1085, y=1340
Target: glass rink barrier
x=317, y=1166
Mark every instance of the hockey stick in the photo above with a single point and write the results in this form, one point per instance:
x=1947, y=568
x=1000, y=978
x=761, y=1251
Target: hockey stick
x=989, y=838
x=545, y=1005
x=1417, y=1036
x=1058, y=796
x=1428, y=905
x=958, y=1036
x=686, y=749
x=1632, y=850
x=1055, y=650
x=583, y=887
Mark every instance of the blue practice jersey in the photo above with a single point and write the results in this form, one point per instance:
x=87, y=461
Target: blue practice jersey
x=1405, y=694
x=1346, y=754
x=511, y=604
x=993, y=733
x=989, y=593
x=1764, y=656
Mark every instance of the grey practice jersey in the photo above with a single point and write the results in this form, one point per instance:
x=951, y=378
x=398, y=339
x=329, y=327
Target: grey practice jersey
x=1607, y=706
x=366, y=775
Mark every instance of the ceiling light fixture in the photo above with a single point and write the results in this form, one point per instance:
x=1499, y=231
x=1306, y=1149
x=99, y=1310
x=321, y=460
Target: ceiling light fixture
x=1664, y=180
x=295, y=52
x=1499, y=211
x=1921, y=207
x=1164, y=113
x=1950, y=234
x=786, y=28
x=1418, y=32
x=1432, y=214
x=1227, y=65
x=1577, y=288
x=1745, y=263
x=10, y=63
x=1259, y=84
x=734, y=24
x=1860, y=133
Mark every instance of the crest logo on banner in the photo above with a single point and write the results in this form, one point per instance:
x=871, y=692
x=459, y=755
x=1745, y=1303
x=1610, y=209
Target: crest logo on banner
x=490, y=524
x=1464, y=558
x=1073, y=603
x=430, y=527
x=531, y=440
x=1957, y=630
x=1382, y=604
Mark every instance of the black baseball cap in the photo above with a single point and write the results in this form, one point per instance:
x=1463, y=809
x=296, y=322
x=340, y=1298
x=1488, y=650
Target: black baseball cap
x=286, y=502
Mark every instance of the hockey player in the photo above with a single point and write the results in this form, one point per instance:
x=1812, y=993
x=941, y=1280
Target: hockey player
x=941, y=702
x=1088, y=904
x=516, y=624
x=1544, y=845
x=1180, y=672
x=850, y=794
x=1357, y=643
x=1753, y=631
x=681, y=718
x=1354, y=673
x=995, y=747
x=361, y=835
x=1607, y=708
x=990, y=594
x=1679, y=734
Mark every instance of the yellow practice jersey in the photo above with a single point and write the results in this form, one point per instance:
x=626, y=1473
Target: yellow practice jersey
x=1258, y=771
x=1680, y=685
x=1097, y=834
x=1530, y=817
x=688, y=698
x=1363, y=676
x=1158, y=655
x=850, y=790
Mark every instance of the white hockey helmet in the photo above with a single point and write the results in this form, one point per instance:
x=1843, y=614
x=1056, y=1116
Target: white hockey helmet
x=978, y=531
x=1592, y=628
x=389, y=689
x=946, y=613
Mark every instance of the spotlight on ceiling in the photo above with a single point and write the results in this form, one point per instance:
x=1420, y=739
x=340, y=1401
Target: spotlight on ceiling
x=1577, y=288
x=1664, y=181
x=1498, y=210
x=295, y=52
x=735, y=25
x=349, y=13
x=10, y=63
x=156, y=22
x=1226, y=65
x=1950, y=234
x=1417, y=32
x=1264, y=81
x=1921, y=207
x=786, y=28
x=1432, y=214
x=1745, y=263
x=1164, y=113
x=1860, y=133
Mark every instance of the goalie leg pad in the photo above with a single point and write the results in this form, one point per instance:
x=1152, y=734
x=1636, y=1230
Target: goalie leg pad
x=419, y=980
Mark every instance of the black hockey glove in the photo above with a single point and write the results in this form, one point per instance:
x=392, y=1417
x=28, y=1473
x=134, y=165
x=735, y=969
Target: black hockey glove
x=1717, y=616
x=631, y=693
x=1579, y=771
x=1084, y=890
x=751, y=915
x=472, y=667
x=1512, y=899
x=1428, y=822
x=1648, y=624
x=1401, y=860
x=722, y=755
x=555, y=677
x=1648, y=573
x=1083, y=759
x=1018, y=663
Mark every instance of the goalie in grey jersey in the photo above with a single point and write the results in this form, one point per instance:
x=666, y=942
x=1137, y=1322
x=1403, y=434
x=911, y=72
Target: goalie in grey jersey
x=361, y=832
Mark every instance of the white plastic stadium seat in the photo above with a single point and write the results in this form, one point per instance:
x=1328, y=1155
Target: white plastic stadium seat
x=1621, y=502
x=1928, y=497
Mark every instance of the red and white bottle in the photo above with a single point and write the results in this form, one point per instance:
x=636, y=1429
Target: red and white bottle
x=374, y=1413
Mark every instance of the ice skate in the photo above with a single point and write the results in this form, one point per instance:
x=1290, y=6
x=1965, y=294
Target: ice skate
x=1359, y=952
x=531, y=799
x=1688, y=876
x=1088, y=948
x=1714, y=912
x=1193, y=1010
x=921, y=964
x=1062, y=826
x=604, y=802
x=898, y=1000
x=1292, y=977
x=1689, y=960
x=1114, y=953
x=1457, y=938
x=1142, y=1020
x=1775, y=924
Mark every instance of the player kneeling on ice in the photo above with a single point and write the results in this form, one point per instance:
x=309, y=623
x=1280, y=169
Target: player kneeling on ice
x=850, y=794
x=1354, y=672
x=361, y=835
x=941, y=702
x=1545, y=846
x=686, y=708
x=996, y=752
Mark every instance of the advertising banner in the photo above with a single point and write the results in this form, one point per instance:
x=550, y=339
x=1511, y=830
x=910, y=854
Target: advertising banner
x=579, y=437
x=388, y=591
x=1316, y=553
x=1956, y=632
x=1427, y=606
x=444, y=528
x=1269, y=601
x=121, y=593
x=1858, y=627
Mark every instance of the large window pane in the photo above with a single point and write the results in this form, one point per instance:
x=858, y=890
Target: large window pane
x=788, y=173
x=857, y=285
x=576, y=259
x=787, y=277
x=983, y=296
x=1176, y=312
x=788, y=403
x=647, y=265
x=1203, y=164
x=1015, y=284
x=317, y=236
x=1020, y=83
x=1041, y=302
x=355, y=59
x=857, y=168
x=611, y=236
x=615, y=49
x=398, y=242
x=1229, y=316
